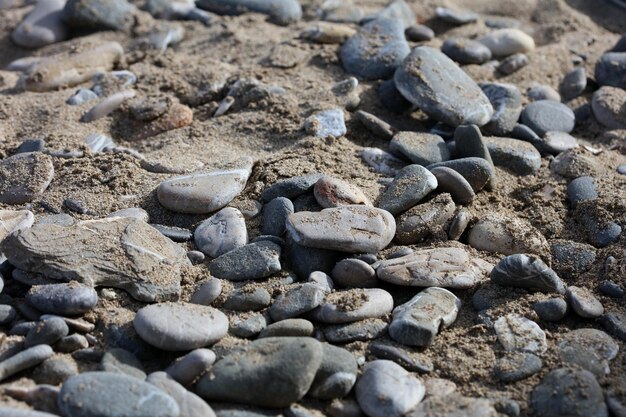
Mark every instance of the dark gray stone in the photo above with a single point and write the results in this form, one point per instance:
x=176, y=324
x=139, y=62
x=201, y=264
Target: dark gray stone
x=515, y=155
x=362, y=330
x=65, y=299
x=290, y=187
x=353, y=273
x=513, y=63
x=611, y=289
x=100, y=14
x=189, y=403
x=547, y=116
x=31, y=145
x=526, y=271
x=424, y=220
x=55, y=370
x=610, y=69
x=456, y=17
x=281, y=12
x=450, y=181
x=469, y=142
x=336, y=375
x=252, y=261
x=7, y=314
x=248, y=298
x=581, y=189
x=553, y=309
x=419, y=33
x=391, y=98
x=305, y=260
x=615, y=323
x=46, y=332
x=420, y=148
x=247, y=327
x=177, y=234
x=288, y=328
x=408, y=360
x=25, y=359
x=296, y=301
x=466, y=51
x=506, y=101
x=573, y=84
x=275, y=215
x=409, y=186
x=477, y=171
x=516, y=366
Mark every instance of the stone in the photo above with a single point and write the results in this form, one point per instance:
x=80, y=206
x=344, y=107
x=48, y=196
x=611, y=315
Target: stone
x=108, y=394
x=407, y=359
x=202, y=192
x=332, y=192
x=290, y=187
x=574, y=164
x=46, y=332
x=248, y=326
x=419, y=33
x=410, y=185
x=526, y=271
x=20, y=412
x=252, y=261
x=375, y=125
x=321, y=280
x=221, y=233
x=207, y=292
x=455, y=17
x=439, y=387
x=453, y=406
x=591, y=349
x=417, y=322
x=134, y=212
x=397, y=10
x=515, y=366
x=190, y=366
x=353, y=305
x=507, y=235
x=354, y=273
x=506, y=101
x=248, y=299
x=65, y=299
x=615, y=323
x=581, y=189
x=55, y=370
x=391, y=98
x=450, y=267
x=281, y=12
x=7, y=314
x=118, y=252
x=296, y=301
x=288, y=328
x=385, y=389
x=99, y=15
x=607, y=104
x=336, y=375
x=557, y=142
x=177, y=234
x=611, y=289
x=275, y=213
x=548, y=116
x=361, y=330
x=543, y=92
x=269, y=372
x=420, y=148
x=23, y=360
x=25, y=176
x=553, y=309
x=583, y=302
x=81, y=96
x=31, y=145
x=519, y=334
x=451, y=182
x=466, y=51
x=381, y=161
x=190, y=404
x=432, y=81
x=122, y=362
x=505, y=42
x=351, y=229
x=568, y=393
x=326, y=123
x=573, y=84
x=513, y=64
x=517, y=156
x=42, y=26
x=424, y=219
x=180, y=326
x=305, y=260
x=610, y=69
x=13, y=220
x=476, y=171
x=376, y=50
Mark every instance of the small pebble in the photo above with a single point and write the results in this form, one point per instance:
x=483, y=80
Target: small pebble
x=221, y=233
x=326, y=123
x=513, y=63
x=573, y=84
x=583, y=302
x=553, y=309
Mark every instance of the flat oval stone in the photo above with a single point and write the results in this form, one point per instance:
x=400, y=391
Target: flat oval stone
x=526, y=271
x=256, y=374
x=419, y=33
x=82, y=396
x=466, y=51
x=506, y=101
x=221, y=233
x=248, y=326
x=450, y=181
x=203, y=192
x=296, y=301
x=610, y=69
x=281, y=12
x=98, y=14
x=607, y=104
x=275, y=214
x=581, y=189
x=548, y=116
x=455, y=17
x=420, y=148
x=410, y=185
x=439, y=267
x=361, y=330
x=543, y=92
x=24, y=176
x=352, y=229
x=513, y=64
x=353, y=305
x=595, y=341
x=248, y=299
x=381, y=161
x=507, y=235
x=46, y=332
x=573, y=84
x=518, y=333
x=252, y=261
x=508, y=41
x=24, y=359
x=376, y=50
x=288, y=328
x=64, y=299
x=584, y=303
x=353, y=273
x=516, y=155
x=180, y=326
x=516, y=366
x=332, y=192
x=557, y=142
x=476, y=171
x=188, y=367
x=424, y=219
x=207, y=292
x=436, y=84
x=419, y=320
x=459, y=224
x=553, y=309
x=385, y=389
x=42, y=26
x=14, y=220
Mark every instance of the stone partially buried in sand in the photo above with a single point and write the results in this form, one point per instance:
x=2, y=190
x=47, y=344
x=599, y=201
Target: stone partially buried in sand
x=507, y=235
x=14, y=220
x=24, y=176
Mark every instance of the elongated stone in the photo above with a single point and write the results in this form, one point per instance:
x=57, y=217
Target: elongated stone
x=424, y=219
x=410, y=185
x=354, y=305
x=24, y=360
x=252, y=261
x=476, y=171
x=526, y=271
x=507, y=235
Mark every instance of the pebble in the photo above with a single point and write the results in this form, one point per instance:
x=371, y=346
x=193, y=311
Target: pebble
x=568, y=392
x=71, y=343
x=417, y=322
x=439, y=387
x=526, y=271
x=420, y=148
x=305, y=260
x=362, y=330
x=275, y=214
x=397, y=10
x=543, y=92
x=196, y=257
x=408, y=360
x=55, y=370
x=574, y=164
x=328, y=33
x=207, y=292
x=31, y=145
x=517, y=333
x=288, y=328
x=81, y=96
x=290, y=187
x=252, y=261
x=410, y=185
x=516, y=155
x=468, y=142
x=190, y=404
x=557, y=142
x=453, y=406
x=508, y=41
x=25, y=359
x=581, y=189
x=326, y=124
x=180, y=326
x=391, y=98
x=615, y=323
x=424, y=220
x=611, y=289
x=203, y=192
x=248, y=299
x=281, y=12
x=122, y=362
x=13, y=220
x=459, y=224
x=450, y=181
x=256, y=374
x=190, y=366
x=513, y=63
x=506, y=101
x=296, y=301
x=436, y=84
x=419, y=33
x=134, y=212
x=375, y=125
x=607, y=104
x=81, y=396
x=23, y=177
x=573, y=84
x=332, y=192
x=621, y=169
x=352, y=229
x=336, y=375
x=221, y=233
x=439, y=267
x=548, y=116
x=46, y=332
x=507, y=235
x=553, y=309
x=515, y=366
x=247, y=327
x=100, y=15
x=591, y=349
x=476, y=171
x=7, y=314
x=42, y=26
x=583, y=302
x=610, y=69
x=353, y=273
x=381, y=161
x=353, y=305
x=376, y=50
x=65, y=299
x=455, y=17
x=177, y=234
x=466, y=51
x=385, y=389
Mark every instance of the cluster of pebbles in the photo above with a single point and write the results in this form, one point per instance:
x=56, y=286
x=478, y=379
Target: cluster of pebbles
x=310, y=295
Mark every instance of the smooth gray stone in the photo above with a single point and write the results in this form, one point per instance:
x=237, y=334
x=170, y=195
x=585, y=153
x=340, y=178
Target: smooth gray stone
x=46, y=332
x=42, y=26
x=615, y=323
x=515, y=155
x=275, y=214
x=248, y=327
x=375, y=125
x=134, y=212
x=23, y=177
x=23, y=360
x=391, y=98
x=81, y=96
x=336, y=375
x=509, y=41
x=290, y=187
x=553, y=309
x=327, y=123
x=419, y=33
x=417, y=322
x=513, y=64
x=385, y=389
x=13, y=220
x=581, y=189
x=466, y=51
x=196, y=257
x=410, y=185
x=381, y=161
x=556, y=142
x=100, y=14
x=252, y=261
x=543, y=92
x=189, y=403
x=180, y=326
x=548, y=116
x=507, y=235
x=523, y=132
x=451, y=182
x=270, y=372
x=458, y=224
x=362, y=330
x=526, y=271
x=601, y=232
x=607, y=104
x=454, y=406
x=71, y=343
x=353, y=273
x=20, y=412
x=333, y=192
x=296, y=301
x=506, y=101
x=424, y=219
x=612, y=289
x=65, y=299
x=31, y=145
x=247, y=299
x=281, y=12
x=591, y=349
x=54, y=371
x=516, y=366
x=610, y=69
x=122, y=362
x=107, y=394
x=207, y=292
x=477, y=171
x=177, y=234
x=7, y=314
x=305, y=261
x=573, y=84
x=321, y=280
x=420, y=148
x=517, y=333
x=583, y=302
x=456, y=17
x=376, y=50
x=22, y=328
x=436, y=84
x=397, y=10
x=408, y=360
x=190, y=366
x=288, y=328
x=468, y=142
x=568, y=393
x=508, y=407
x=353, y=305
